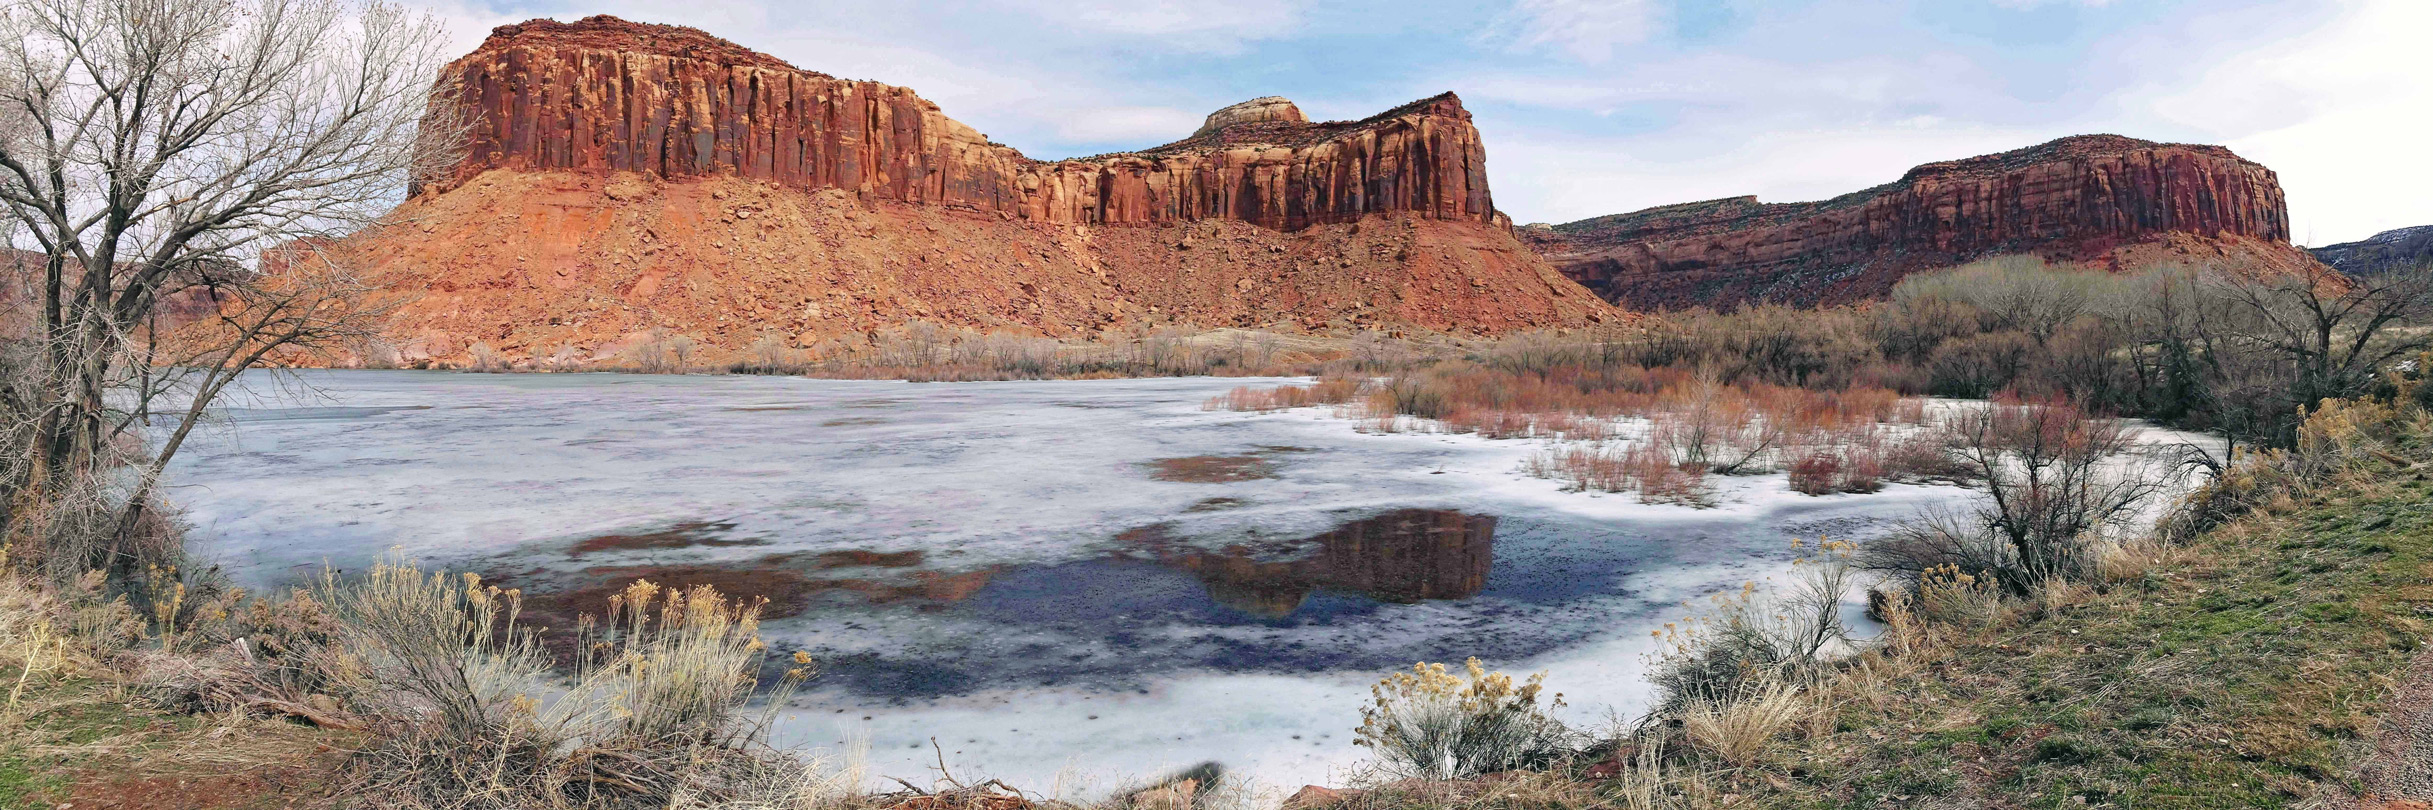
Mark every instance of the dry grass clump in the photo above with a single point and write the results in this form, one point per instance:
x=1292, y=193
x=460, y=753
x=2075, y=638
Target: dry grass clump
x=1750, y=638
x=466, y=715
x=456, y=702
x=1637, y=467
x=1326, y=391
x=1739, y=731
x=31, y=646
x=1431, y=724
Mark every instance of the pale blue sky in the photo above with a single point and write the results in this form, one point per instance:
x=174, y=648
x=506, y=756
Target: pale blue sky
x=1592, y=108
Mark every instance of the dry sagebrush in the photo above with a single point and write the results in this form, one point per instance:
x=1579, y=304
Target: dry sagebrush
x=1432, y=724
x=470, y=717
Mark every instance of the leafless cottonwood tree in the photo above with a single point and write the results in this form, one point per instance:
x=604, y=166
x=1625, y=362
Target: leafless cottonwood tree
x=2240, y=353
x=2336, y=334
x=151, y=151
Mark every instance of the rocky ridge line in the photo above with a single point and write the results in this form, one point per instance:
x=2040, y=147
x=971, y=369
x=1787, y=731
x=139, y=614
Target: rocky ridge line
x=2101, y=199
x=603, y=94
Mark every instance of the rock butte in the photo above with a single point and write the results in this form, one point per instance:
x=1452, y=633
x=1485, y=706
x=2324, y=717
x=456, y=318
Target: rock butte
x=623, y=176
x=2105, y=200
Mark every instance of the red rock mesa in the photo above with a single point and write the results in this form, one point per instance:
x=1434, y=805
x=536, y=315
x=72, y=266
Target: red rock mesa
x=2101, y=199
x=623, y=176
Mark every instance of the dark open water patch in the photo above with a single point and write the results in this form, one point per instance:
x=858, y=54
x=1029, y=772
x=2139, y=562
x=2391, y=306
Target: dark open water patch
x=1373, y=593
x=1341, y=600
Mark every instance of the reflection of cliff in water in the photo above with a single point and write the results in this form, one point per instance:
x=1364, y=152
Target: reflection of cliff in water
x=1403, y=556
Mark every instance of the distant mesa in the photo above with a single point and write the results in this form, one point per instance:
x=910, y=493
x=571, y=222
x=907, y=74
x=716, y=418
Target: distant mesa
x=2106, y=200
x=623, y=176
x=2397, y=249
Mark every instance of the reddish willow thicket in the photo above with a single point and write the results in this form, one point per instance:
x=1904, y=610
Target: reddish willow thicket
x=1657, y=432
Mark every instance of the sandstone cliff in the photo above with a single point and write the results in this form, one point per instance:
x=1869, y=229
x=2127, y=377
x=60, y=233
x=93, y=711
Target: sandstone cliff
x=2397, y=249
x=623, y=176
x=2101, y=199
x=607, y=95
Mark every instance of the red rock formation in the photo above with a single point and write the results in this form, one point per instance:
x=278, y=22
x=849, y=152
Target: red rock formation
x=1409, y=555
x=2103, y=199
x=603, y=94
x=623, y=177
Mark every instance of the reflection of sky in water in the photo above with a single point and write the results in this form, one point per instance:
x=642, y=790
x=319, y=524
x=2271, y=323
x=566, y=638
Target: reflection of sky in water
x=1002, y=562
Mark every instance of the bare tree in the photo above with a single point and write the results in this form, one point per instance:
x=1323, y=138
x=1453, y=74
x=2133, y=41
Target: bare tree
x=151, y=152
x=2057, y=483
x=2336, y=334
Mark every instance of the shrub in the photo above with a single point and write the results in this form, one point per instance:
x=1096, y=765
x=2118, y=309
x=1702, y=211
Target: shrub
x=2058, y=484
x=1950, y=595
x=1326, y=391
x=565, y=358
x=770, y=354
x=1740, y=731
x=1410, y=394
x=1431, y=724
x=1816, y=471
x=1976, y=366
x=465, y=715
x=678, y=665
x=1750, y=640
x=450, y=647
x=661, y=352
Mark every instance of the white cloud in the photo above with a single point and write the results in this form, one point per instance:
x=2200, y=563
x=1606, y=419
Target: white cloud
x=2336, y=103
x=1208, y=25
x=1798, y=102
x=1585, y=30
x=467, y=23
x=1566, y=179
x=2340, y=113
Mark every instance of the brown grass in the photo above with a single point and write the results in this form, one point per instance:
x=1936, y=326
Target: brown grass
x=1326, y=391
x=1212, y=469
x=690, y=534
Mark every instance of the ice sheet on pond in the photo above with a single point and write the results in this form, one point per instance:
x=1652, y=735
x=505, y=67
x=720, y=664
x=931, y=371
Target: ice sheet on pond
x=1040, y=575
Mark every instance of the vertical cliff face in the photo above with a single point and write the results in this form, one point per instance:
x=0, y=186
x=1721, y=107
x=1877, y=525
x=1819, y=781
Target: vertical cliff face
x=624, y=177
x=2097, y=198
x=606, y=95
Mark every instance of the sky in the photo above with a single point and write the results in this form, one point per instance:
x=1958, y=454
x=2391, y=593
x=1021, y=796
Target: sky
x=1592, y=107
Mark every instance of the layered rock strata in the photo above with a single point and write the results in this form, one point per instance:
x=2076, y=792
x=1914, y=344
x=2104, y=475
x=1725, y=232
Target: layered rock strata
x=606, y=95
x=623, y=177
x=2101, y=199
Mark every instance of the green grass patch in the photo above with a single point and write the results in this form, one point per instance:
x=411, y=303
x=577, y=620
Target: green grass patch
x=2248, y=673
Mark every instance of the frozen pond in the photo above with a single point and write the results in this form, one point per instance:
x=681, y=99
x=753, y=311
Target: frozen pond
x=1060, y=581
